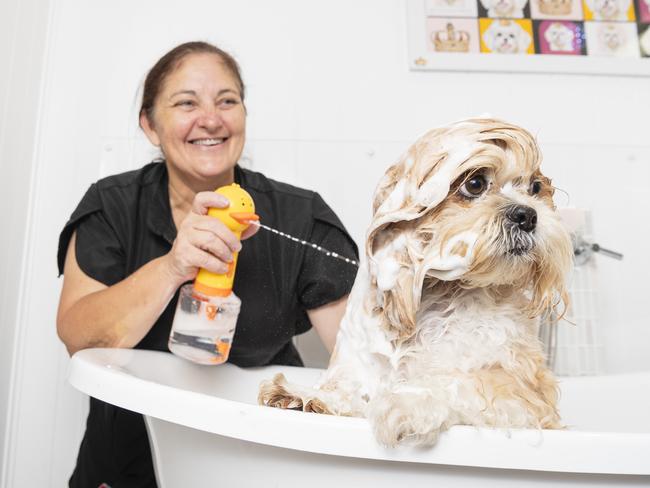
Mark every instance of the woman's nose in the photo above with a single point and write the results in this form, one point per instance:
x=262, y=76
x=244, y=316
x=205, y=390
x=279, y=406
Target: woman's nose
x=210, y=119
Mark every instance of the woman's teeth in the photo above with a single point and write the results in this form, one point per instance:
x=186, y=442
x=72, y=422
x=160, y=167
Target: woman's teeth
x=208, y=142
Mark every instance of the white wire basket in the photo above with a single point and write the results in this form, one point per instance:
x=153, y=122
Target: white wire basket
x=574, y=344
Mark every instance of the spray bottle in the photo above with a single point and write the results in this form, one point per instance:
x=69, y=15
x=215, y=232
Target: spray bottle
x=207, y=310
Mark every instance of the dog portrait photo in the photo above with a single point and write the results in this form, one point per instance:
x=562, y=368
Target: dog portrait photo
x=464, y=253
x=609, y=10
x=556, y=9
x=559, y=37
x=506, y=36
x=618, y=39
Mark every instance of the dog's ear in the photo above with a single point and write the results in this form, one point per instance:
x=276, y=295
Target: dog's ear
x=549, y=289
x=393, y=273
x=523, y=38
x=410, y=189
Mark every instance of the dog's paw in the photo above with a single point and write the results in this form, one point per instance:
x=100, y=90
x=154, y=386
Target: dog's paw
x=274, y=393
x=279, y=393
x=406, y=418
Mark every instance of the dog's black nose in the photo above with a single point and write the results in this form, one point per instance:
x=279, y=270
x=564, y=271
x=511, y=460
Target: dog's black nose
x=525, y=217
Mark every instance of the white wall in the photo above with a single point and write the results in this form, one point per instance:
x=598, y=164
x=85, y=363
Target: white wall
x=22, y=47
x=331, y=104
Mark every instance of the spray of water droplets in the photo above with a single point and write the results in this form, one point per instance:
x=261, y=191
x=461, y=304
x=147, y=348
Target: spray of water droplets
x=305, y=243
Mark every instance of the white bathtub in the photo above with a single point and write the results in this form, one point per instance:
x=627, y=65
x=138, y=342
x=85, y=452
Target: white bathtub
x=207, y=430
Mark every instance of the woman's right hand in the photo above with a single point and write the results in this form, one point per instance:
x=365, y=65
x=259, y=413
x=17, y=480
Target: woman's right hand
x=202, y=241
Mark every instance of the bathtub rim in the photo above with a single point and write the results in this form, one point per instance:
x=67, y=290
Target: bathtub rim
x=97, y=373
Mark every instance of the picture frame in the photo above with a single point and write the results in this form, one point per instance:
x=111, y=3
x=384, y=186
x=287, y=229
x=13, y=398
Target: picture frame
x=535, y=36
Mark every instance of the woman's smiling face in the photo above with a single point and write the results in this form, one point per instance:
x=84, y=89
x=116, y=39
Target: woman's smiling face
x=199, y=119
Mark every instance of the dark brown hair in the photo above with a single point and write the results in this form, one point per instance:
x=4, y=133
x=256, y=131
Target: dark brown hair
x=170, y=61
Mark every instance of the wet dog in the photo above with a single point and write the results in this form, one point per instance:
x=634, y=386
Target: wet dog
x=464, y=252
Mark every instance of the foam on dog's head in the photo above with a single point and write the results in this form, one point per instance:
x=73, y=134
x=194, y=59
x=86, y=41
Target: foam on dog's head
x=423, y=229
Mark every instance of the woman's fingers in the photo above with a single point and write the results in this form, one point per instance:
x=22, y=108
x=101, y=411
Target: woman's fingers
x=205, y=200
x=208, y=261
x=218, y=229
x=212, y=243
x=204, y=241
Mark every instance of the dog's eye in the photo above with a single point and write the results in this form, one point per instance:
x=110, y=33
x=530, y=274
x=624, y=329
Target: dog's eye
x=474, y=186
x=535, y=187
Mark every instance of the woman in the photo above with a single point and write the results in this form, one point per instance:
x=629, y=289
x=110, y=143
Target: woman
x=136, y=237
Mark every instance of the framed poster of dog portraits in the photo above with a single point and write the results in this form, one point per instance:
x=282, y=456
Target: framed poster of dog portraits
x=610, y=37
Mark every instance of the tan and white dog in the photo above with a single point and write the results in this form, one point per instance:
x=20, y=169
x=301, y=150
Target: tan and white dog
x=465, y=250
x=559, y=37
x=506, y=37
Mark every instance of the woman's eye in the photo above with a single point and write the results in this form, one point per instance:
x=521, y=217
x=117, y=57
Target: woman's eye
x=474, y=186
x=535, y=187
x=184, y=103
x=229, y=102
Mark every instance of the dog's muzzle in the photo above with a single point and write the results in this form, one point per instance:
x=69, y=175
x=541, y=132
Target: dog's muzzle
x=520, y=221
x=523, y=216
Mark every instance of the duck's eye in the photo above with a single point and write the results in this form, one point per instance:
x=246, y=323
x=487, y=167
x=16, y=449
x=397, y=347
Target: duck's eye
x=535, y=187
x=474, y=186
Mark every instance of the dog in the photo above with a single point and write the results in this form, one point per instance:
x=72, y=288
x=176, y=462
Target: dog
x=464, y=253
x=611, y=38
x=559, y=37
x=506, y=37
x=609, y=9
x=513, y=9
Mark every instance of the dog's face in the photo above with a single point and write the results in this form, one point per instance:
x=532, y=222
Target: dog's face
x=559, y=37
x=506, y=37
x=611, y=37
x=610, y=9
x=467, y=204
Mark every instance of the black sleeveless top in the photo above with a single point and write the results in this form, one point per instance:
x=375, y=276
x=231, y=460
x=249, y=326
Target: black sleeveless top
x=125, y=221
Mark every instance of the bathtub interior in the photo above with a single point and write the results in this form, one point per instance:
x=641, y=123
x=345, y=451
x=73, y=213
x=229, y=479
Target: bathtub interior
x=608, y=403
x=607, y=416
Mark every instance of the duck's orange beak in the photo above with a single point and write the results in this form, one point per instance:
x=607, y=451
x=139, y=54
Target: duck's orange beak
x=244, y=217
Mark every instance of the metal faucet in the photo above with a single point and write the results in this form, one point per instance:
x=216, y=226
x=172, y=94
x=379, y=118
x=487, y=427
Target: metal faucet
x=583, y=250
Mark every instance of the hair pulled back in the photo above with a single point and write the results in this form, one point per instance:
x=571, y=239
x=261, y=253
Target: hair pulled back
x=167, y=64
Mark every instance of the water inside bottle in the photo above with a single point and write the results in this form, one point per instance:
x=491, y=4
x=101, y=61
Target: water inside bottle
x=204, y=326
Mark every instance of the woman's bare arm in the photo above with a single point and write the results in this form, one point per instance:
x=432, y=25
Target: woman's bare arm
x=327, y=320
x=92, y=314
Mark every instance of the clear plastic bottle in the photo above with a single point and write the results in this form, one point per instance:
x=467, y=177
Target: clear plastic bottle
x=204, y=326
x=207, y=310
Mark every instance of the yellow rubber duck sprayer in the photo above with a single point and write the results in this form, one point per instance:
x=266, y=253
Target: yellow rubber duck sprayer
x=207, y=310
